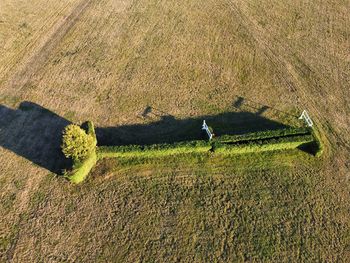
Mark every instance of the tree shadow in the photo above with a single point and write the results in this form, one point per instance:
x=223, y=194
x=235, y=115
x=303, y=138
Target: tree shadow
x=35, y=133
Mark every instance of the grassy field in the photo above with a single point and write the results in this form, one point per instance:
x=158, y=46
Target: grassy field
x=188, y=209
x=148, y=71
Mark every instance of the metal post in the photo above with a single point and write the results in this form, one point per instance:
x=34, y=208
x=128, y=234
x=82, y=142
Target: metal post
x=305, y=116
x=206, y=128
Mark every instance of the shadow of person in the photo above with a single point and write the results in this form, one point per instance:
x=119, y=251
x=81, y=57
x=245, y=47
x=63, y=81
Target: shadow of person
x=34, y=133
x=238, y=102
x=146, y=111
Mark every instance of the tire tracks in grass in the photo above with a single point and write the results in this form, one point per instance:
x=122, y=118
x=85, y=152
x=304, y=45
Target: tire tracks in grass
x=23, y=198
x=289, y=71
x=34, y=62
x=48, y=23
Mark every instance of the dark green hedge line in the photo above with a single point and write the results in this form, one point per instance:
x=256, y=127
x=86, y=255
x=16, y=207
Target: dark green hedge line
x=282, y=143
x=272, y=140
x=159, y=150
x=296, y=138
x=263, y=135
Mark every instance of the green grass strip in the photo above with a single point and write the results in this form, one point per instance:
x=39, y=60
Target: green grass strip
x=273, y=140
x=284, y=143
x=156, y=150
x=81, y=170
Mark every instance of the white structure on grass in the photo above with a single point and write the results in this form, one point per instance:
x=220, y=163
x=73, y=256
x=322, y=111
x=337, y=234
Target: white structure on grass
x=206, y=128
x=305, y=116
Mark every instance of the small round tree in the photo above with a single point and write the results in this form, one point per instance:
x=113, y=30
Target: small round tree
x=76, y=143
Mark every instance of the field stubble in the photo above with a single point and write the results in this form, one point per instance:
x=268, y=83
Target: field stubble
x=113, y=60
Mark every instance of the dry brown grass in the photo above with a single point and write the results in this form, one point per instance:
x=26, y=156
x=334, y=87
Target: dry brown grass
x=108, y=60
x=25, y=28
x=174, y=56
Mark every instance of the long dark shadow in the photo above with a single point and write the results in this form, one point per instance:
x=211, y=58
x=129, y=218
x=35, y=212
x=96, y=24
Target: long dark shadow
x=35, y=133
x=168, y=129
